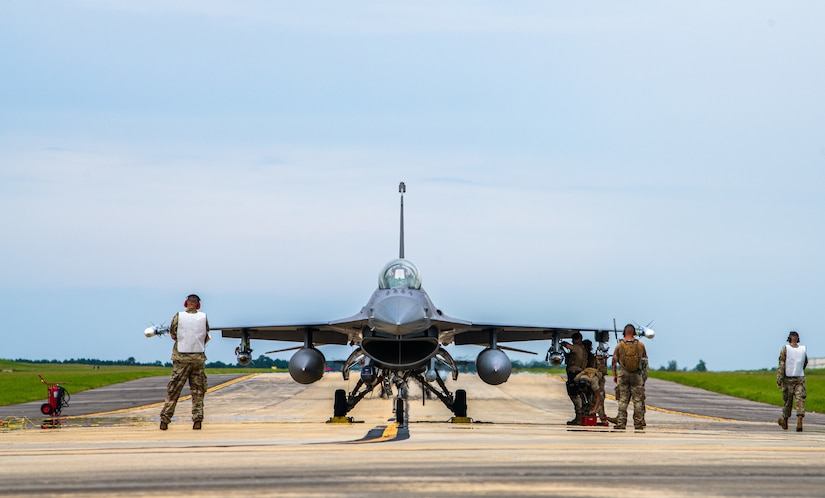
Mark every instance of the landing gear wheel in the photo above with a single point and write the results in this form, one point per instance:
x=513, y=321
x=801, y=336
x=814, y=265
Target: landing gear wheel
x=340, y=407
x=46, y=409
x=460, y=403
x=399, y=411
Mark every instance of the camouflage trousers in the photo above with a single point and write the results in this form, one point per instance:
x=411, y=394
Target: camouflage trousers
x=618, y=392
x=573, y=392
x=181, y=373
x=793, y=393
x=631, y=386
x=584, y=399
x=578, y=402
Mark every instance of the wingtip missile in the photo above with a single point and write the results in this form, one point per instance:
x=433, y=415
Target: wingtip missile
x=645, y=331
x=156, y=330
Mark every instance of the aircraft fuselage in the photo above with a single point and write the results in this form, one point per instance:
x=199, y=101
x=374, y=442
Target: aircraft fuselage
x=399, y=334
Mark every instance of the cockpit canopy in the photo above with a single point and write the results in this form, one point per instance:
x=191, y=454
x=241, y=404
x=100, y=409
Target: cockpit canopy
x=399, y=273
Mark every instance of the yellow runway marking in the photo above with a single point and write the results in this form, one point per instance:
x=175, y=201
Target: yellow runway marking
x=389, y=433
x=665, y=410
x=157, y=405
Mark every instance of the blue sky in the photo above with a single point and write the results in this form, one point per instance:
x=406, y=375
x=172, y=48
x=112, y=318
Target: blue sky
x=566, y=164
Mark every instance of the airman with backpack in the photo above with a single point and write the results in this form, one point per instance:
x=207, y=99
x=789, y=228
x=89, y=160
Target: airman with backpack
x=630, y=356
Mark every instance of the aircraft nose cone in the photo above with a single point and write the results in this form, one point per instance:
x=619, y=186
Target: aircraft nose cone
x=399, y=315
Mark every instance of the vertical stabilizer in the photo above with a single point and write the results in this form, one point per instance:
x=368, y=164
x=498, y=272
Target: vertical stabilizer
x=401, y=189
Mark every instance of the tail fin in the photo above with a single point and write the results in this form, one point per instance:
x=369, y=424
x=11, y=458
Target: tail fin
x=401, y=189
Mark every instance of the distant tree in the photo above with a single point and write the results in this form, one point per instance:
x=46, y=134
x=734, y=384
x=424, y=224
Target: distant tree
x=700, y=367
x=263, y=362
x=672, y=366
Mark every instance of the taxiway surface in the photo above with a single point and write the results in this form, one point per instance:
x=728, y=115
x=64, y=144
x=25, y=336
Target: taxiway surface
x=266, y=435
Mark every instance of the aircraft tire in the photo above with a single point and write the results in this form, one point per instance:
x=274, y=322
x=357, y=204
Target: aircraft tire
x=340, y=407
x=399, y=411
x=460, y=403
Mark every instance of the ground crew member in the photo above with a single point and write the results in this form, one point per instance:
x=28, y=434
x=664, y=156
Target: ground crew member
x=190, y=330
x=790, y=377
x=576, y=361
x=616, y=393
x=599, y=362
x=631, y=357
x=601, y=366
x=591, y=358
x=590, y=378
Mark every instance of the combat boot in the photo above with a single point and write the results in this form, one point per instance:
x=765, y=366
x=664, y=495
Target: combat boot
x=799, y=423
x=783, y=422
x=575, y=421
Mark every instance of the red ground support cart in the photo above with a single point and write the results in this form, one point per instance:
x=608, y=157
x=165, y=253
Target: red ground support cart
x=58, y=398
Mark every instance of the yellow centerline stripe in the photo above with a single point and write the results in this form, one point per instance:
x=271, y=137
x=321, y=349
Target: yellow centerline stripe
x=390, y=432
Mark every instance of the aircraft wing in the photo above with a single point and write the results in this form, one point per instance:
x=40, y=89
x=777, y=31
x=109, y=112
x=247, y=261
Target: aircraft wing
x=337, y=332
x=479, y=333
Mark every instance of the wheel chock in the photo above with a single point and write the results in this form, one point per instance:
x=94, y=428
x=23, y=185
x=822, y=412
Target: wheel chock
x=340, y=420
x=461, y=420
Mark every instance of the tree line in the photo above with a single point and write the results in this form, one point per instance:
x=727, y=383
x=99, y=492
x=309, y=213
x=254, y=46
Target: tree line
x=261, y=362
x=268, y=363
x=672, y=366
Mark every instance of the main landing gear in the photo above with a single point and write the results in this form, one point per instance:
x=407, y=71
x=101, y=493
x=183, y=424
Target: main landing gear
x=373, y=375
x=456, y=402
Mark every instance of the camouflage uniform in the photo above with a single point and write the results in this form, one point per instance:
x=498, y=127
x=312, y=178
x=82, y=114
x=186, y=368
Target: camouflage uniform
x=593, y=379
x=631, y=385
x=793, y=388
x=601, y=366
x=185, y=367
x=576, y=361
x=617, y=391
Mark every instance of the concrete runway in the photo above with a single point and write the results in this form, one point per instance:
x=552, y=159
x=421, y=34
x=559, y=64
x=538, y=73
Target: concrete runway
x=266, y=435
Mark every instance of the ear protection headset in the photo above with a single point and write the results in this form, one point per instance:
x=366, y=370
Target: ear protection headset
x=196, y=297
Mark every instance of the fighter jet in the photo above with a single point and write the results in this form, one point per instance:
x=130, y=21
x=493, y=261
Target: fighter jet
x=400, y=336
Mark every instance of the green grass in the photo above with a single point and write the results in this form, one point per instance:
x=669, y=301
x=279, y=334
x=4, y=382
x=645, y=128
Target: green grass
x=757, y=385
x=22, y=384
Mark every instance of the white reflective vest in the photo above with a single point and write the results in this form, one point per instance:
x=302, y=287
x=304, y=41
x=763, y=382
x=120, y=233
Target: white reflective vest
x=192, y=332
x=795, y=360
